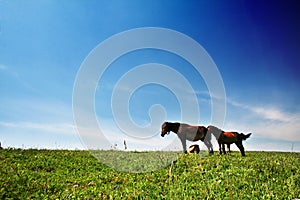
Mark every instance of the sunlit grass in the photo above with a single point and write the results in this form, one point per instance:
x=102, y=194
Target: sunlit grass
x=58, y=174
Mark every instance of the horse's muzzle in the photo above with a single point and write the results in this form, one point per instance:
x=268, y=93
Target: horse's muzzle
x=164, y=133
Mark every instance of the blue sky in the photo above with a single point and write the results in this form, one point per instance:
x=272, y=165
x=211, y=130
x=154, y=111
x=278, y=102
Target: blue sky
x=254, y=44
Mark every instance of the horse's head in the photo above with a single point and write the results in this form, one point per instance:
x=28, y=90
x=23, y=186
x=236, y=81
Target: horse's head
x=165, y=129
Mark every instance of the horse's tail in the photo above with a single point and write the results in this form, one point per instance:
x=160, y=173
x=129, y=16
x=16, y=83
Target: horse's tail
x=244, y=137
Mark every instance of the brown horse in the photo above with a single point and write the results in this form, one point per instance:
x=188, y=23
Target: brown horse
x=187, y=132
x=228, y=138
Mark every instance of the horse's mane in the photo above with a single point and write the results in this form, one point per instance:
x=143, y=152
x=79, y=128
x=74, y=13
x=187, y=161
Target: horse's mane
x=214, y=128
x=215, y=131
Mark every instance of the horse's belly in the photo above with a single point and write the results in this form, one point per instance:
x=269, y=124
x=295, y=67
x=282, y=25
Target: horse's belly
x=228, y=140
x=191, y=133
x=194, y=137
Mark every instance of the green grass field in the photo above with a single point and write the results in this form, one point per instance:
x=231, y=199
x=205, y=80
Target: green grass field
x=62, y=174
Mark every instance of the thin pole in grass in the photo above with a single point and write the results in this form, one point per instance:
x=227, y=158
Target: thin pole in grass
x=125, y=145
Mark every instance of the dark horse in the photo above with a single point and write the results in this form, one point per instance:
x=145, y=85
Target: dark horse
x=228, y=138
x=187, y=132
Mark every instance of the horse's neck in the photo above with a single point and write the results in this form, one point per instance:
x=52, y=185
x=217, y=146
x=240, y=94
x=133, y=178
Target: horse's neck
x=215, y=130
x=174, y=127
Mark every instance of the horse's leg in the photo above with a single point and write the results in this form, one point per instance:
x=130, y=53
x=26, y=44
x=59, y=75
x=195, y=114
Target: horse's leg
x=183, y=142
x=242, y=149
x=223, y=148
x=239, y=144
x=228, y=148
x=220, y=148
x=209, y=146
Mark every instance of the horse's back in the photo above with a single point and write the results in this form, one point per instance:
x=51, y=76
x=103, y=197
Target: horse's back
x=192, y=133
x=228, y=137
x=230, y=134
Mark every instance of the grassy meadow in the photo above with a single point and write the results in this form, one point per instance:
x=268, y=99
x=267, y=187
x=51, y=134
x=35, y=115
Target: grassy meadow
x=65, y=174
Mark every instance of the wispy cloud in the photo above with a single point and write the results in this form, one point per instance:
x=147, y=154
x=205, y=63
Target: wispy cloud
x=13, y=75
x=285, y=131
x=268, y=122
x=269, y=113
x=274, y=114
x=65, y=128
x=3, y=67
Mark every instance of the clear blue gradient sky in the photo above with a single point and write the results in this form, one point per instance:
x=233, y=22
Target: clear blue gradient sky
x=255, y=45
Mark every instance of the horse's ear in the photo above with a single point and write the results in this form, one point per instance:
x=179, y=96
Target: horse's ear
x=165, y=123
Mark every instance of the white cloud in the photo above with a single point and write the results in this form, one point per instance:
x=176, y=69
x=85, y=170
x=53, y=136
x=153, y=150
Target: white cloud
x=3, y=67
x=268, y=113
x=65, y=128
x=236, y=104
x=273, y=114
x=285, y=131
x=265, y=122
